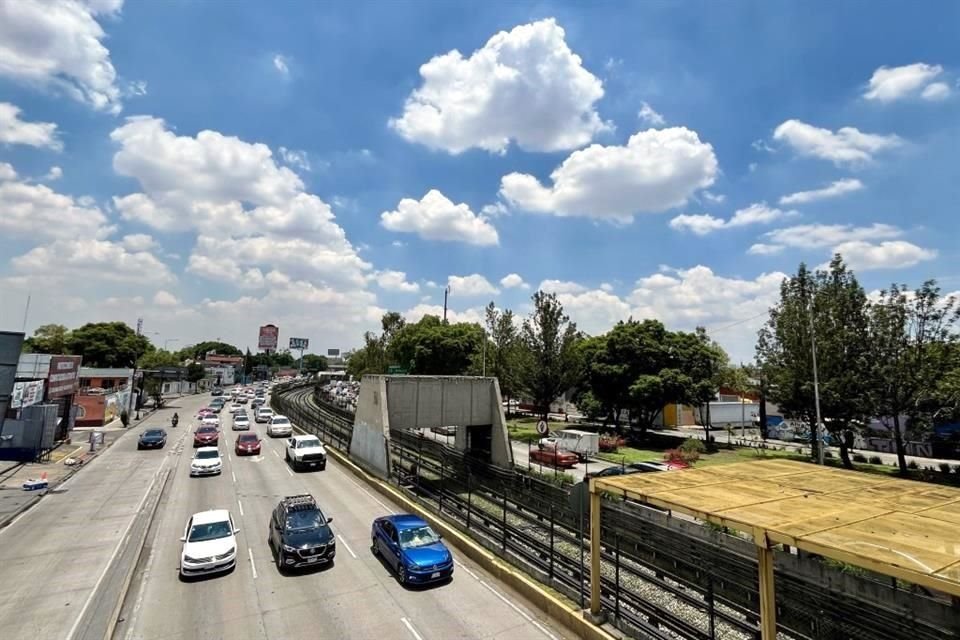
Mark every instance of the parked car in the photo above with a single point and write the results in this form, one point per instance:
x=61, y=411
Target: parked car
x=411, y=548
x=248, y=444
x=619, y=470
x=209, y=543
x=279, y=426
x=306, y=452
x=263, y=414
x=205, y=436
x=554, y=457
x=300, y=533
x=206, y=462
x=241, y=422
x=152, y=439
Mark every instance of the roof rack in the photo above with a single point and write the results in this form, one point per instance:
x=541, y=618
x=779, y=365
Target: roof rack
x=300, y=502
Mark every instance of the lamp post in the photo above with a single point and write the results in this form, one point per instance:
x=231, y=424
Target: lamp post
x=818, y=438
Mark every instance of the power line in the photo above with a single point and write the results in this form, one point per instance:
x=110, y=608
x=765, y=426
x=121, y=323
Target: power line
x=738, y=322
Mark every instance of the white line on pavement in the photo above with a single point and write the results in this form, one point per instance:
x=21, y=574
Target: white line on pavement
x=275, y=452
x=288, y=471
x=234, y=476
x=523, y=613
x=467, y=569
x=253, y=567
x=373, y=497
x=410, y=628
x=229, y=459
x=240, y=504
x=339, y=537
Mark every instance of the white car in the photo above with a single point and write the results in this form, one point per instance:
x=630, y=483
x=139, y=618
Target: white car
x=264, y=414
x=241, y=422
x=206, y=462
x=236, y=407
x=306, y=452
x=210, y=421
x=209, y=543
x=279, y=426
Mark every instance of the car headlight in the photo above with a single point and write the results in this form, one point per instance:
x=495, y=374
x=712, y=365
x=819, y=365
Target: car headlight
x=290, y=549
x=192, y=560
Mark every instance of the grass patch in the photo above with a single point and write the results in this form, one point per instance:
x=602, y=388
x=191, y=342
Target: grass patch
x=629, y=455
x=525, y=429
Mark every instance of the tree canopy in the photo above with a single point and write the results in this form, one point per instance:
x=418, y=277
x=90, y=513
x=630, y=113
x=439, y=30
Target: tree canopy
x=107, y=344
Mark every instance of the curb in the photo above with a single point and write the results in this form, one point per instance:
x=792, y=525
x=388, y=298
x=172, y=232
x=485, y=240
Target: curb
x=553, y=606
x=16, y=514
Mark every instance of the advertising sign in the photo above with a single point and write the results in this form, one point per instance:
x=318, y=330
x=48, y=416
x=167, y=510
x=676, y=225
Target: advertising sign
x=299, y=343
x=27, y=393
x=269, y=337
x=64, y=379
x=334, y=353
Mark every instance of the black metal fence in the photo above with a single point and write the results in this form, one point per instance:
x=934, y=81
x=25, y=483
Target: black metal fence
x=657, y=582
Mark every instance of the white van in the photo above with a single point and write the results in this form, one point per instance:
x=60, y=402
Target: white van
x=582, y=443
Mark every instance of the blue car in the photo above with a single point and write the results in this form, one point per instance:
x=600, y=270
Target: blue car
x=411, y=548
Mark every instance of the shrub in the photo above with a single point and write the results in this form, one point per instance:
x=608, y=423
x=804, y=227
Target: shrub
x=859, y=457
x=913, y=465
x=876, y=460
x=944, y=467
x=828, y=454
x=681, y=455
x=610, y=444
x=693, y=445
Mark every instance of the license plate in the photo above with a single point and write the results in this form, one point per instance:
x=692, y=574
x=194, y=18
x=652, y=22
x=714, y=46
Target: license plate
x=435, y=574
x=312, y=559
x=313, y=464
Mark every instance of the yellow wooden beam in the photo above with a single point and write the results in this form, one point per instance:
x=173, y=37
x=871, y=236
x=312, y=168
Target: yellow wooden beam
x=768, y=602
x=594, y=553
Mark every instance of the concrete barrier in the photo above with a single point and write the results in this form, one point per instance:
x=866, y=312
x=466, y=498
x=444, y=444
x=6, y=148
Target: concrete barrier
x=565, y=613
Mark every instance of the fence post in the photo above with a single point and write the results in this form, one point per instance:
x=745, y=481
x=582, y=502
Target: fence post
x=504, y=521
x=443, y=460
x=710, y=607
x=616, y=591
x=551, y=541
x=469, y=499
x=400, y=470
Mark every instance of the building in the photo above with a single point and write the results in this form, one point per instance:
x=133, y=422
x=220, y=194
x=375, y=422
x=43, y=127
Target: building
x=104, y=395
x=214, y=360
x=92, y=378
x=43, y=378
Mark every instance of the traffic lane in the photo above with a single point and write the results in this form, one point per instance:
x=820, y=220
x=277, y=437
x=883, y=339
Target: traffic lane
x=333, y=601
x=215, y=606
x=56, y=554
x=470, y=606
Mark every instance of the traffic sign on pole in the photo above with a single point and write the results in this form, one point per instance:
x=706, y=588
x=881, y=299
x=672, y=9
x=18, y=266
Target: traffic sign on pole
x=542, y=428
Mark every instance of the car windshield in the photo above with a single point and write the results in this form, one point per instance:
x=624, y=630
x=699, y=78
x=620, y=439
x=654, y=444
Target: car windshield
x=249, y=438
x=204, y=455
x=418, y=537
x=303, y=520
x=207, y=430
x=153, y=433
x=309, y=442
x=209, y=531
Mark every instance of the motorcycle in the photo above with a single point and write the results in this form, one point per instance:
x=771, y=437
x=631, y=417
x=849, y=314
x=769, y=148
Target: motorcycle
x=174, y=420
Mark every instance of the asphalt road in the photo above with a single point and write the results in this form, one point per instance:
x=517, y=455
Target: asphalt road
x=357, y=597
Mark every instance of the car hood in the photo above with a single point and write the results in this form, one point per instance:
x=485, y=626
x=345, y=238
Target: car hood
x=206, y=436
x=205, y=462
x=305, y=450
x=209, y=548
x=309, y=538
x=428, y=555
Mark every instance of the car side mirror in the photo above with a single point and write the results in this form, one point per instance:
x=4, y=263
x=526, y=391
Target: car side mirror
x=236, y=530
x=439, y=536
x=183, y=538
x=329, y=519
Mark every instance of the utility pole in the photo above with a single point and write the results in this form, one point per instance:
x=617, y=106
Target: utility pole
x=26, y=311
x=818, y=438
x=446, y=292
x=133, y=378
x=484, y=353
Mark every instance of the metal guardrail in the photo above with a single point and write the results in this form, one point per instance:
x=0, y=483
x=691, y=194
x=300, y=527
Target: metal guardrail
x=657, y=582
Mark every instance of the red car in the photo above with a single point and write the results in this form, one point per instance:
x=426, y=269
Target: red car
x=206, y=437
x=554, y=457
x=248, y=444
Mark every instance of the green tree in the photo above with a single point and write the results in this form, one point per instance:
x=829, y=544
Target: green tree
x=48, y=338
x=430, y=347
x=107, y=344
x=313, y=363
x=195, y=372
x=158, y=358
x=550, y=364
x=201, y=349
x=911, y=339
x=704, y=363
x=502, y=353
x=153, y=387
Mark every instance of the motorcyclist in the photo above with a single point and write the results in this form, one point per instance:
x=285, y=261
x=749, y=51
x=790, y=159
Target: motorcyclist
x=175, y=419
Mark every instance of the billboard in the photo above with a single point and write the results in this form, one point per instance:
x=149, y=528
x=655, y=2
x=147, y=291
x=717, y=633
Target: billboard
x=333, y=353
x=27, y=393
x=299, y=343
x=269, y=337
x=10, y=343
x=64, y=379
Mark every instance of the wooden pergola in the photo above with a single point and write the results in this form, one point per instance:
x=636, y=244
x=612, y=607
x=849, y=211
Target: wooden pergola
x=901, y=528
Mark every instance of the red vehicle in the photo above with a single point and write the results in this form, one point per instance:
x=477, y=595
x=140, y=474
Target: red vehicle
x=248, y=444
x=206, y=437
x=554, y=457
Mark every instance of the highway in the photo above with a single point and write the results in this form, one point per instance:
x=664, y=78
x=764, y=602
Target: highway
x=357, y=597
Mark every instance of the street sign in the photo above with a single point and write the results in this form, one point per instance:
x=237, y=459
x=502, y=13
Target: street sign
x=299, y=343
x=396, y=370
x=542, y=428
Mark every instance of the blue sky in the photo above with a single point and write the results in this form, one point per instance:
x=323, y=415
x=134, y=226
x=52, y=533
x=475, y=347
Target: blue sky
x=314, y=164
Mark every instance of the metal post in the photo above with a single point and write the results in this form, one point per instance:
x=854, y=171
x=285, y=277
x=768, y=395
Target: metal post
x=419, y=461
x=711, y=613
x=768, y=605
x=818, y=439
x=594, y=551
x=442, y=471
x=485, y=355
x=616, y=592
x=551, y=541
x=504, y=521
x=469, y=500
x=580, y=535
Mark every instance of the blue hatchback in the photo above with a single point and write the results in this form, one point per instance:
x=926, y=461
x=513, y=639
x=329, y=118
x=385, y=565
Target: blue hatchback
x=411, y=548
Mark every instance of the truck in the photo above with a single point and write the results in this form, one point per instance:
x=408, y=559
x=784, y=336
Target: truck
x=582, y=443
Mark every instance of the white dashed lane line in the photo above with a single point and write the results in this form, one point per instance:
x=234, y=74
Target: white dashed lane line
x=411, y=628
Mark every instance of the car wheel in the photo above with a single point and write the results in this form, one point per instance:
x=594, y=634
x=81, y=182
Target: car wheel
x=139, y=447
x=374, y=548
x=402, y=575
x=280, y=560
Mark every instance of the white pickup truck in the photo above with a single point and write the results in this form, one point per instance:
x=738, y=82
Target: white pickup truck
x=306, y=452
x=582, y=443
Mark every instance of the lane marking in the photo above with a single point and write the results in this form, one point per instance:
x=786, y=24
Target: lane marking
x=253, y=567
x=290, y=472
x=523, y=613
x=275, y=452
x=240, y=504
x=373, y=497
x=234, y=477
x=340, y=538
x=467, y=569
x=410, y=628
x=228, y=457
x=116, y=550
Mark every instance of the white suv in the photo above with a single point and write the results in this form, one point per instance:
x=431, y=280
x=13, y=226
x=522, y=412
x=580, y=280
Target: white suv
x=263, y=414
x=279, y=426
x=306, y=452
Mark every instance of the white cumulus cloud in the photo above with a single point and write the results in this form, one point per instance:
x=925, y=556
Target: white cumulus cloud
x=891, y=254
x=513, y=281
x=13, y=130
x=655, y=171
x=525, y=85
x=59, y=44
x=37, y=210
x=471, y=285
x=704, y=223
x=282, y=64
x=436, y=217
x=395, y=281
x=847, y=145
x=561, y=286
x=936, y=91
x=812, y=236
x=648, y=115
x=165, y=299
x=7, y=172
x=893, y=83
x=833, y=190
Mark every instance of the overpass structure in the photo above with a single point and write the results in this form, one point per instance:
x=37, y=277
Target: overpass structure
x=471, y=404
